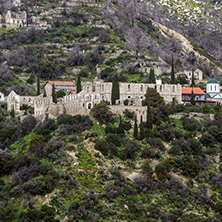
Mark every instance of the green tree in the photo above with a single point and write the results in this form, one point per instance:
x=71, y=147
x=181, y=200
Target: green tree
x=192, y=80
x=172, y=79
x=54, y=96
x=115, y=90
x=120, y=129
x=79, y=86
x=147, y=169
x=152, y=76
x=142, y=133
x=12, y=113
x=38, y=86
x=48, y=69
x=44, y=93
x=102, y=113
x=135, y=132
x=149, y=121
x=192, y=100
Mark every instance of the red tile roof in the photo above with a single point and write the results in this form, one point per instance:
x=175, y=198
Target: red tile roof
x=196, y=91
x=62, y=83
x=73, y=92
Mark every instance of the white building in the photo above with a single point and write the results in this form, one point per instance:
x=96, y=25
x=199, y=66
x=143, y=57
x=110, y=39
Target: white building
x=2, y=97
x=198, y=75
x=213, y=90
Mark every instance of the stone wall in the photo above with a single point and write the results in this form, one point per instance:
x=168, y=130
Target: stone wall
x=138, y=110
x=134, y=90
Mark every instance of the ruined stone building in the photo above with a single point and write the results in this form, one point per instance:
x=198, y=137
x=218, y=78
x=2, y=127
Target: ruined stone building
x=134, y=91
x=93, y=93
x=13, y=19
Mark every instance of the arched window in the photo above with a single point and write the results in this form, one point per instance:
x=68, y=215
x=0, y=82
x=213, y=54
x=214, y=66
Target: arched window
x=87, y=89
x=215, y=88
x=173, y=88
x=102, y=87
x=93, y=88
x=89, y=106
x=210, y=88
x=129, y=87
x=160, y=88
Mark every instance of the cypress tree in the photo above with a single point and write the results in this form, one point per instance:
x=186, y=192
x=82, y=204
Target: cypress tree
x=135, y=132
x=44, y=93
x=38, y=86
x=120, y=129
x=13, y=113
x=115, y=90
x=79, y=86
x=192, y=100
x=54, y=96
x=149, y=121
x=172, y=80
x=152, y=76
x=142, y=133
x=192, y=80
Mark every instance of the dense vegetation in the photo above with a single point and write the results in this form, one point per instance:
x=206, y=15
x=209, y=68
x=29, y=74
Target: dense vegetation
x=78, y=168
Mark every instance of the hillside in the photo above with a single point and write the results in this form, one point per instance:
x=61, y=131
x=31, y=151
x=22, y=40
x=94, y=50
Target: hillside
x=105, y=38
x=106, y=167
x=75, y=169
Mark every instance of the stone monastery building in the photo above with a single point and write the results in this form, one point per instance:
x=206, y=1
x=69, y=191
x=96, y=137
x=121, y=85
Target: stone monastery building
x=93, y=93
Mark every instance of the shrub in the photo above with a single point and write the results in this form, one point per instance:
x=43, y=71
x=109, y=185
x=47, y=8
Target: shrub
x=130, y=150
x=128, y=114
x=102, y=146
x=147, y=169
x=102, y=113
x=47, y=127
x=27, y=125
x=207, y=139
x=191, y=124
x=162, y=170
x=36, y=146
x=114, y=138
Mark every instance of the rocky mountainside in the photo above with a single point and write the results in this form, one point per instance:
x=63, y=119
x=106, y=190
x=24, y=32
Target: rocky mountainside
x=108, y=37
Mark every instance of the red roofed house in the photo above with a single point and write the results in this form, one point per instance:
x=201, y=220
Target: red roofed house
x=199, y=95
x=59, y=85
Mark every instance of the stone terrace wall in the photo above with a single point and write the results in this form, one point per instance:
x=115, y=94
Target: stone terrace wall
x=138, y=110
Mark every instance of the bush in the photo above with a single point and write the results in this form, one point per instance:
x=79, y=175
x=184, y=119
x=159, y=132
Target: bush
x=27, y=125
x=102, y=146
x=191, y=124
x=130, y=150
x=47, y=127
x=162, y=170
x=147, y=169
x=114, y=138
x=128, y=114
x=102, y=113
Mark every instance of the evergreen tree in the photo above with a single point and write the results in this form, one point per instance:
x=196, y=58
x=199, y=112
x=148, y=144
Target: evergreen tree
x=149, y=121
x=192, y=100
x=135, y=132
x=54, y=96
x=115, y=90
x=38, y=86
x=192, y=81
x=142, y=133
x=120, y=129
x=44, y=93
x=172, y=80
x=13, y=113
x=152, y=76
x=79, y=86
